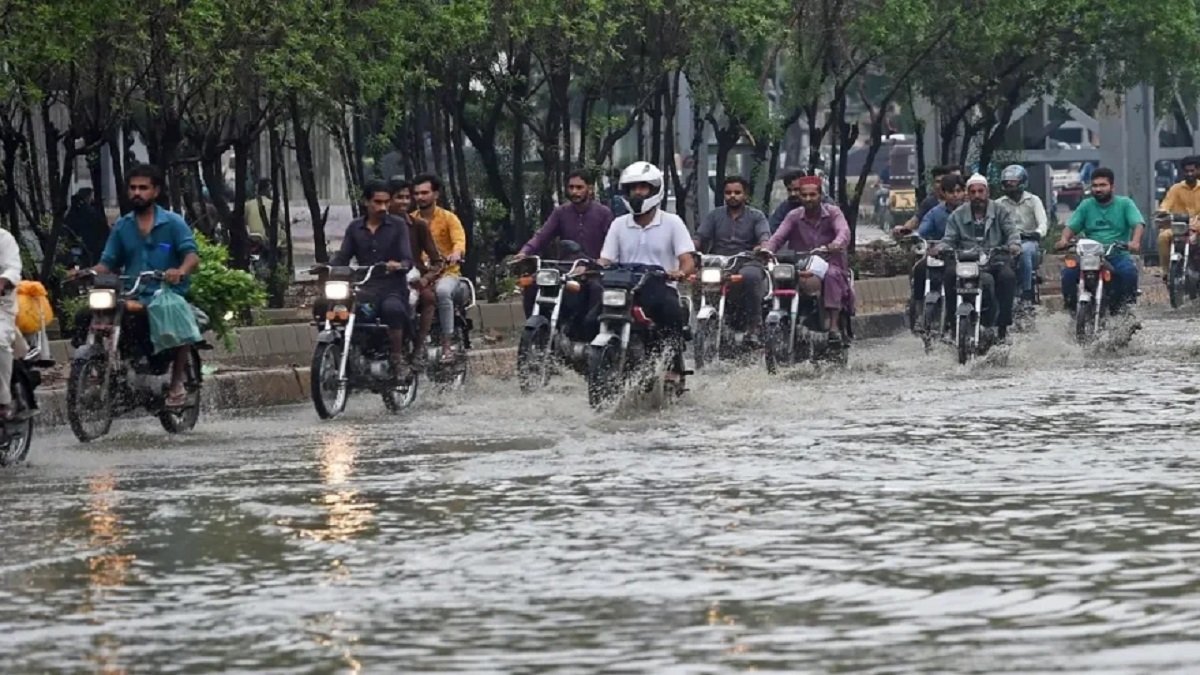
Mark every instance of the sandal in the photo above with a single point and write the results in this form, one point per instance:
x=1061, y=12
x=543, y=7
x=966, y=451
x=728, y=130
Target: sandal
x=175, y=400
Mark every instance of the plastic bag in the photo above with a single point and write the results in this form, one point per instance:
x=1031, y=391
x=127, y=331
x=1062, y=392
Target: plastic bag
x=172, y=322
x=33, y=307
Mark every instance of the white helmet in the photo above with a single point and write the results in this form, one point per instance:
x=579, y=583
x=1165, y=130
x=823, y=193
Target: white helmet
x=642, y=172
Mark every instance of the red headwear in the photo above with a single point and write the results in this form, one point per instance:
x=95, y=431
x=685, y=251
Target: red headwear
x=810, y=180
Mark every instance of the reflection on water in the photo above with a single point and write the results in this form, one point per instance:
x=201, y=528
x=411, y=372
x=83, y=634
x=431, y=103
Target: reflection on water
x=108, y=570
x=1034, y=513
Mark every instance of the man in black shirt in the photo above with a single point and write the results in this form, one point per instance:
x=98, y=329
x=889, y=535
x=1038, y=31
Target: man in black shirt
x=380, y=238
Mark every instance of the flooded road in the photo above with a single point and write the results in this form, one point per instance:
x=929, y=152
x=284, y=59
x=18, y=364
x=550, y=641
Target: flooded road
x=906, y=515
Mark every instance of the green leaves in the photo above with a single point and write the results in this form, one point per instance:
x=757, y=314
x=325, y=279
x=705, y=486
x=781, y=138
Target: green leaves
x=219, y=290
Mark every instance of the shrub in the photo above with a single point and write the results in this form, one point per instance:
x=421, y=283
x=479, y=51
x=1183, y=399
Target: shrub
x=226, y=295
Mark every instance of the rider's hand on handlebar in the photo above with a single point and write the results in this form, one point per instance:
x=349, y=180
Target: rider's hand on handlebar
x=454, y=258
x=173, y=276
x=900, y=231
x=675, y=275
x=517, y=258
x=1135, y=246
x=395, y=266
x=1015, y=249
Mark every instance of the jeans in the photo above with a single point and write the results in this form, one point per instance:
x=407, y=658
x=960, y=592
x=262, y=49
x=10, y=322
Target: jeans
x=998, y=285
x=659, y=301
x=1027, y=263
x=1122, y=289
x=446, y=286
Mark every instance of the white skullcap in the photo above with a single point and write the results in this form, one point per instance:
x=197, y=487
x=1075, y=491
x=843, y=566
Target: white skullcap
x=977, y=179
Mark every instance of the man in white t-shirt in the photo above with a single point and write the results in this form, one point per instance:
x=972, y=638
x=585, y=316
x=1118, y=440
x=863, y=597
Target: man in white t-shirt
x=649, y=236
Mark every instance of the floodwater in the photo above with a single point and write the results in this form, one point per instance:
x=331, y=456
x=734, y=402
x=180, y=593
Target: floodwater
x=906, y=515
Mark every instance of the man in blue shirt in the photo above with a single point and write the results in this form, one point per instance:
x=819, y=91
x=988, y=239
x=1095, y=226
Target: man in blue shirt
x=932, y=228
x=151, y=238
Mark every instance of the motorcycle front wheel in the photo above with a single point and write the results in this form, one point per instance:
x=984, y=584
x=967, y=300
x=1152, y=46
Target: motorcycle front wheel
x=1085, y=326
x=328, y=395
x=774, y=350
x=89, y=399
x=964, y=339
x=932, y=328
x=18, y=434
x=603, y=379
x=1175, y=284
x=703, y=342
x=532, y=370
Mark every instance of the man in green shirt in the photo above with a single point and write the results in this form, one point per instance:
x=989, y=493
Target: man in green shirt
x=1108, y=219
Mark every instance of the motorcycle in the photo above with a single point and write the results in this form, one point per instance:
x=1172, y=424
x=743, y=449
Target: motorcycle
x=795, y=332
x=928, y=320
x=1093, y=306
x=970, y=338
x=353, y=348
x=624, y=349
x=115, y=370
x=720, y=335
x=16, y=433
x=1182, y=278
x=545, y=341
x=454, y=372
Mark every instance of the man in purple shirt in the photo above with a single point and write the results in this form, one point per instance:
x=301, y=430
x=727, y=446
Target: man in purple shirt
x=812, y=226
x=582, y=220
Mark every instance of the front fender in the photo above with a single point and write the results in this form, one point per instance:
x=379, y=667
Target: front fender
x=535, y=322
x=933, y=297
x=775, y=317
x=965, y=309
x=603, y=338
x=330, y=335
x=706, y=312
x=85, y=352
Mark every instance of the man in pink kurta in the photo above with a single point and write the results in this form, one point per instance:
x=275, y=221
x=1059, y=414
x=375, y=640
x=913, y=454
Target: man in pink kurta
x=815, y=225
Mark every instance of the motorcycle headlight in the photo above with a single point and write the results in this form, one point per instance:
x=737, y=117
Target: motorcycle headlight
x=783, y=272
x=547, y=278
x=710, y=275
x=1090, y=263
x=337, y=290
x=968, y=270
x=613, y=298
x=102, y=298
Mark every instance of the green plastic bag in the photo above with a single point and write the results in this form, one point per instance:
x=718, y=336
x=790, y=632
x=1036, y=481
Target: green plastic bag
x=172, y=322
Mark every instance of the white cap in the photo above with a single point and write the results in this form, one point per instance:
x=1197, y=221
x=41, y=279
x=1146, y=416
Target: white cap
x=977, y=179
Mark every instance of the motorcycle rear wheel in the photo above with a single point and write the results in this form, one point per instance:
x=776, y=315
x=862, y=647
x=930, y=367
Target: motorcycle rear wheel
x=185, y=418
x=18, y=435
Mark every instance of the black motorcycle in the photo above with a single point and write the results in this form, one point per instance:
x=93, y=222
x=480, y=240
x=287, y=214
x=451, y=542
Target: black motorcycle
x=452, y=373
x=628, y=343
x=115, y=370
x=545, y=340
x=971, y=338
x=795, y=326
x=16, y=433
x=353, y=348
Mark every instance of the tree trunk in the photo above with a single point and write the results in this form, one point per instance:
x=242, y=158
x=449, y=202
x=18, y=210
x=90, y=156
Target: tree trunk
x=466, y=205
x=308, y=180
x=772, y=172
x=727, y=138
x=436, y=141
x=277, y=284
x=116, y=160
x=585, y=113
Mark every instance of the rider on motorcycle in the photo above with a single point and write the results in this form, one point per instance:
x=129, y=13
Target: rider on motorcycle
x=1030, y=214
x=427, y=259
x=10, y=276
x=1182, y=198
x=1108, y=219
x=983, y=224
x=733, y=229
x=377, y=238
x=582, y=220
x=647, y=235
x=152, y=238
x=952, y=188
x=451, y=240
x=815, y=225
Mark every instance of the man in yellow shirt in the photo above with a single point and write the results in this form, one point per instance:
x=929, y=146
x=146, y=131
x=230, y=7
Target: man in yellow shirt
x=451, y=241
x=1182, y=198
